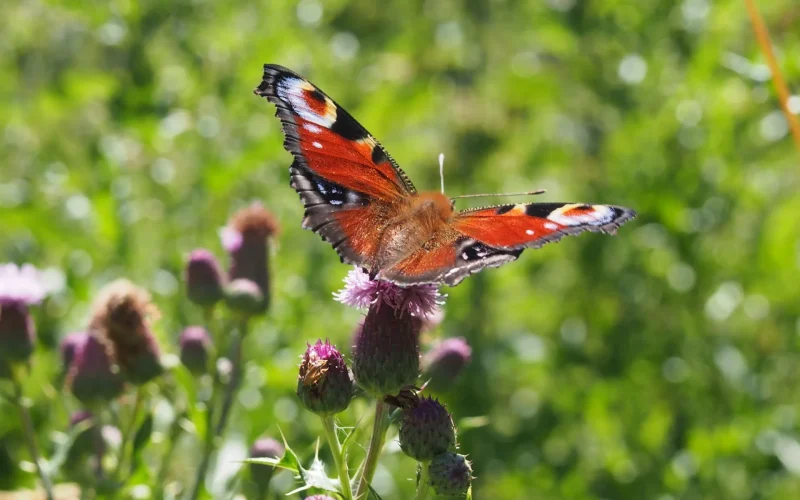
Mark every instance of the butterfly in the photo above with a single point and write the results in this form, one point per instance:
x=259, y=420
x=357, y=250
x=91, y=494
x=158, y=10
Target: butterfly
x=358, y=199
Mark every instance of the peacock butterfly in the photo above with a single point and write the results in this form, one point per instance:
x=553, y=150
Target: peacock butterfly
x=359, y=200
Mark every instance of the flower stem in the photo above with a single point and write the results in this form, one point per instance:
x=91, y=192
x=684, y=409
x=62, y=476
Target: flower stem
x=423, y=483
x=30, y=437
x=338, y=457
x=233, y=384
x=130, y=429
x=762, y=35
x=379, y=429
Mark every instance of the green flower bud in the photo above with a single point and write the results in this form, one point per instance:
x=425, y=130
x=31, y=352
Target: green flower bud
x=450, y=475
x=427, y=430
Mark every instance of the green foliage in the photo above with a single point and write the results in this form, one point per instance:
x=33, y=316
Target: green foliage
x=660, y=363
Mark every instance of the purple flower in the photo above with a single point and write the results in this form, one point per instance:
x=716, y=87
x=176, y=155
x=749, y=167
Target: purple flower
x=71, y=346
x=362, y=292
x=264, y=448
x=324, y=384
x=195, y=346
x=246, y=238
x=17, y=333
x=21, y=285
x=204, y=280
x=92, y=378
x=445, y=362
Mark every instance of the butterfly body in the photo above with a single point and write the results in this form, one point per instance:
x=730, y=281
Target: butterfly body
x=358, y=199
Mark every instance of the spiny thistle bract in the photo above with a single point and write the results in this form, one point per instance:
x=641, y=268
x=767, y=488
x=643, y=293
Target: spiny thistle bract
x=324, y=384
x=427, y=430
x=450, y=475
x=204, y=279
x=121, y=317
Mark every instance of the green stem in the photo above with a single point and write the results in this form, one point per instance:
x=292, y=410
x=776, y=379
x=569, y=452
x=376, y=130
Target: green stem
x=233, y=384
x=338, y=458
x=130, y=429
x=30, y=437
x=423, y=483
x=166, y=460
x=379, y=429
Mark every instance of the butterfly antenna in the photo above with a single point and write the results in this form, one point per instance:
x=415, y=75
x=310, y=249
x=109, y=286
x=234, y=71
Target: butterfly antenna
x=441, y=169
x=527, y=193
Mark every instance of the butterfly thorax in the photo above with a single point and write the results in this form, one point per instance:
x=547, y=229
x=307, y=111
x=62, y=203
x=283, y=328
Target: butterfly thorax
x=411, y=227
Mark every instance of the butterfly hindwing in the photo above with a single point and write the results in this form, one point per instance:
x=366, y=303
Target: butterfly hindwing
x=492, y=236
x=343, y=175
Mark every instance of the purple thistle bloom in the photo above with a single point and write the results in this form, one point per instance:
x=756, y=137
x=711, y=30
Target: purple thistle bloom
x=21, y=285
x=319, y=497
x=71, y=346
x=445, y=362
x=195, y=346
x=204, y=279
x=264, y=448
x=324, y=384
x=361, y=292
x=93, y=378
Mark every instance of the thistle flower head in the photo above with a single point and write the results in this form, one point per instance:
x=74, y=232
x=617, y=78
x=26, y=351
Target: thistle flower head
x=92, y=376
x=244, y=296
x=195, y=345
x=204, y=279
x=21, y=285
x=324, y=384
x=264, y=448
x=121, y=317
x=386, y=351
x=445, y=362
x=361, y=292
x=71, y=346
x=450, y=475
x=246, y=240
x=427, y=430
x=17, y=333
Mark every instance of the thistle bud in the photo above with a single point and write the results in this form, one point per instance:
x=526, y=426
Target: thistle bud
x=70, y=347
x=121, y=317
x=444, y=363
x=204, y=280
x=324, y=384
x=261, y=474
x=450, y=475
x=92, y=377
x=246, y=238
x=244, y=296
x=17, y=333
x=386, y=351
x=195, y=346
x=427, y=430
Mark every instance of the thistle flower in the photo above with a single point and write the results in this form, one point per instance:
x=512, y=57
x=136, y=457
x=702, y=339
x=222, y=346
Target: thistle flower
x=204, y=281
x=362, y=292
x=319, y=497
x=195, y=346
x=246, y=238
x=386, y=351
x=70, y=347
x=324, y=384
x=427, y=430
x=261, y=474
x=244, y=296
x=20, y=287
x=121, y=316
x=92, y=376
x=445, y=362
x=450, y=475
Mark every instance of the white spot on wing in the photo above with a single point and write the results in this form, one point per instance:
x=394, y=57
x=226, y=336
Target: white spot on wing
x=317, y=145
x=529, y=232
x=312, y=128
x=291, y=90
x=336, y=202
x=599, y=216
x=550, y=226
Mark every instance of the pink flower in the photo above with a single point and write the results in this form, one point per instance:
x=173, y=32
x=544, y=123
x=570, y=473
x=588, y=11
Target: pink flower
x=21, y=285
x=361, y=292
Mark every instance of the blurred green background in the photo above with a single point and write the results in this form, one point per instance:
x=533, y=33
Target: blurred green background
x=659, y=364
